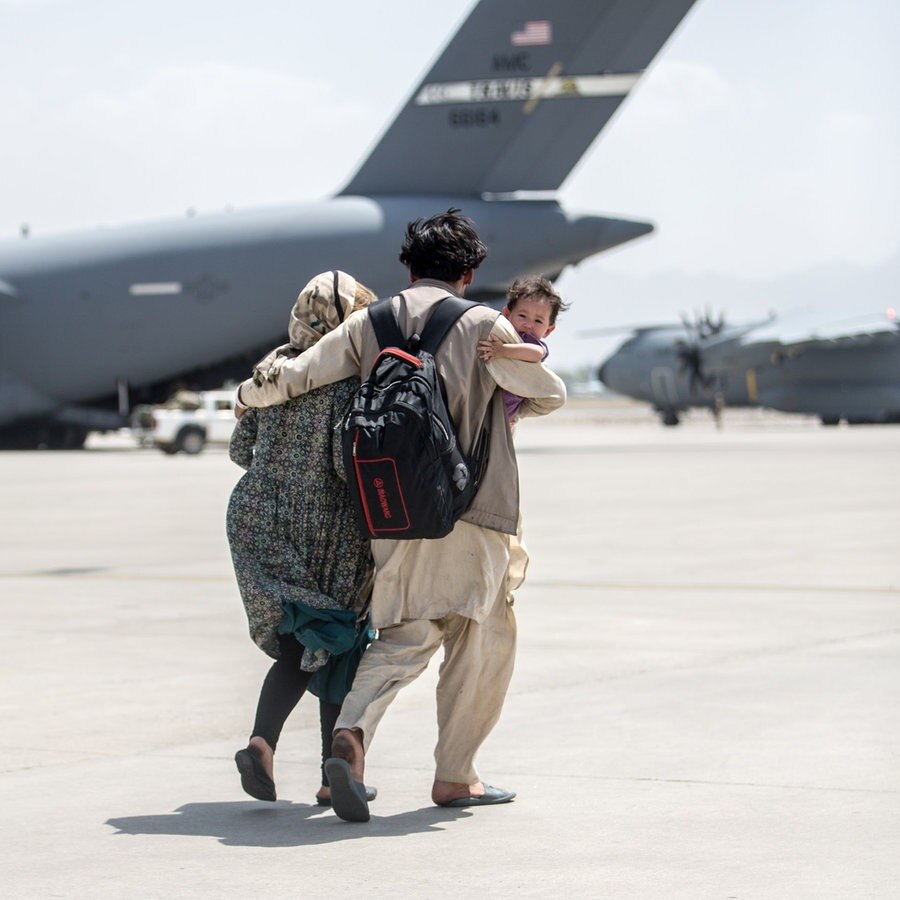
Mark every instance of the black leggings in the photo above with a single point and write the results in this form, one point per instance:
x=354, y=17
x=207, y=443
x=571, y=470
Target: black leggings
x=281, y=691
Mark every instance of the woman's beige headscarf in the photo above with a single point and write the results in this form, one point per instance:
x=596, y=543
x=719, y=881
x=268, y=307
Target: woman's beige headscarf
x=322, y=305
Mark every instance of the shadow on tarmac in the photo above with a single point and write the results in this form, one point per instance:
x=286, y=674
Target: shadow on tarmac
x=281, y=824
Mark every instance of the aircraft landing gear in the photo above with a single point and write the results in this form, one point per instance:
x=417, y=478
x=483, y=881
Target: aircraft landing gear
x=43, y=437
x=65, y=437
x=669, y=417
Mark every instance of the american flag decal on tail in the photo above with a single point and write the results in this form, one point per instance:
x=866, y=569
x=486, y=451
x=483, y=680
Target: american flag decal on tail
x=534, y=34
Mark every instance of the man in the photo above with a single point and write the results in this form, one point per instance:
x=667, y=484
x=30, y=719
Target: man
x=453, y=592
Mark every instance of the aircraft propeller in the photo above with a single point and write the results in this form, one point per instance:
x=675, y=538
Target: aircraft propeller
x=702, y=327
x=690, y=354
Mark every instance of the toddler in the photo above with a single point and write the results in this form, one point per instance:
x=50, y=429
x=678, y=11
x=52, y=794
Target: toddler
x=532, y=306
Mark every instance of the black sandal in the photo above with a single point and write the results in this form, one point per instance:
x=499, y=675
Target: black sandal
x=254, y=779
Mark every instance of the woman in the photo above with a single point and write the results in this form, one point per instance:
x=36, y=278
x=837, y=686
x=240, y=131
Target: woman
x=303, y=570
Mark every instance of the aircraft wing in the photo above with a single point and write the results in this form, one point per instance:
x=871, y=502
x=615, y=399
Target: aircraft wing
x=740, y=348
x=803, y=330
x=517, y=96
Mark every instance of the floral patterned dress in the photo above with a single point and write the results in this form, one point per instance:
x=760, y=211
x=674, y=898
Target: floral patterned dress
x=300, y=562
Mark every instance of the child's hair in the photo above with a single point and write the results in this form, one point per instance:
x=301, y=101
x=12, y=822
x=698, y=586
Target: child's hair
x=536, y=286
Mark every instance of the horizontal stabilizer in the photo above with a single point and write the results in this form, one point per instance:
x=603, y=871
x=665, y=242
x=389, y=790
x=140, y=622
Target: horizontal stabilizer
x=518, y=96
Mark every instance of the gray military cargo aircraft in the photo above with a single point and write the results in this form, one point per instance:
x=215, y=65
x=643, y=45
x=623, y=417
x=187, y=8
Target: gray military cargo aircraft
x=93, y=323
x=831, y=365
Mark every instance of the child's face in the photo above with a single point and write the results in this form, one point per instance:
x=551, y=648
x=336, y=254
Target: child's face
x=530, y=315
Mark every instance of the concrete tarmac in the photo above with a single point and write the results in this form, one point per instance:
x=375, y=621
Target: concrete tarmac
x=705, y=703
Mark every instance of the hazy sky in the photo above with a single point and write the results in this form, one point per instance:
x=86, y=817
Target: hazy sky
x=763, y=141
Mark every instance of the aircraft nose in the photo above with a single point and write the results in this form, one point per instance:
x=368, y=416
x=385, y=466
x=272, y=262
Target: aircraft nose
x=610, y=372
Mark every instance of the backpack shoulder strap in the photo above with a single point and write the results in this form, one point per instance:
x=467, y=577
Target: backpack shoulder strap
x=441, y=321
x=387, y=331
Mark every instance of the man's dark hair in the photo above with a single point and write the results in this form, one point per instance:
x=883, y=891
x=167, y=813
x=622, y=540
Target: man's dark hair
x=445, y=247
x=536, y=286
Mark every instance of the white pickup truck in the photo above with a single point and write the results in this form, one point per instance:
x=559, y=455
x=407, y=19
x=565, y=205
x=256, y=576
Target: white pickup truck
x=187, y=422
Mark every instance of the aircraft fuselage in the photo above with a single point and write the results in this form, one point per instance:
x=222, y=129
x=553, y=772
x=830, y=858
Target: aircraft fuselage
x=141, y=305
x=856, y=383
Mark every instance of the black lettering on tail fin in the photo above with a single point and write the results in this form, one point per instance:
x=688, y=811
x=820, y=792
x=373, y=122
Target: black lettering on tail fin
x=517, y=96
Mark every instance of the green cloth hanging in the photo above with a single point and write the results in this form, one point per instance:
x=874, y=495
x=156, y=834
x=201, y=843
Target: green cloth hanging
x=336, y=631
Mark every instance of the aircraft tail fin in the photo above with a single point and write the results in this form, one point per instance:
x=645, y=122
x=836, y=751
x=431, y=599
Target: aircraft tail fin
x=517, y=96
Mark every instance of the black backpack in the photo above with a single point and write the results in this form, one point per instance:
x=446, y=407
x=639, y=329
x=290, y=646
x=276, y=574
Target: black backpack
x=406, y=473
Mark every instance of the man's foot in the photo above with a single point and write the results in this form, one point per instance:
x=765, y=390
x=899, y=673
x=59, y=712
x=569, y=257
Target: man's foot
x=348, y=796
x=256, y=767
x=347, y=745
x=344, y=772
x=452, y=793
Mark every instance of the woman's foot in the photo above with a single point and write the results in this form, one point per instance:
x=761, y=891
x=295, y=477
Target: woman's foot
x=265, y=754
x=323, y=795
x=256, y=766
